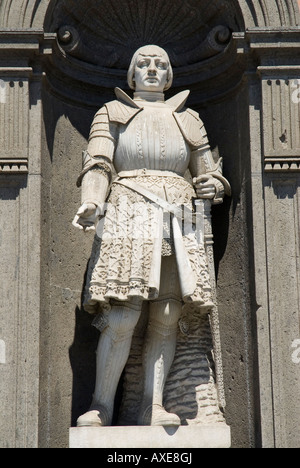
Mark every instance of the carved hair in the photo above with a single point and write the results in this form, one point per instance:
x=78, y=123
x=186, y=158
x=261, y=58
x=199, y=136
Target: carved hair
x=149, y=50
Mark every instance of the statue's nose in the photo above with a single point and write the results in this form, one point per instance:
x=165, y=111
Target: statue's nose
x=152, y=69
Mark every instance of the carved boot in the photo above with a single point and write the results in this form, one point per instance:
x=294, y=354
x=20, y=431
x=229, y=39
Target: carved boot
x=158, y=357
x=95, y=417
x=156, y=415
x=112, y=354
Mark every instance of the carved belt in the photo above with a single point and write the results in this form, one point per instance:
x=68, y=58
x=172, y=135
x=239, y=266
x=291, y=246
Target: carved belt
x=148, y=172
x=186, y=215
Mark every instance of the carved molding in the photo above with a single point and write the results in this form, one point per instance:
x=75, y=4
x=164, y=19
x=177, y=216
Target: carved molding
x=21, y=52
x=25, y=43
x=23, y=13
x=281, y=109
x=287, y=165
x=266, y=13
x=274, y=55
x=13, y=166
x=14, y=120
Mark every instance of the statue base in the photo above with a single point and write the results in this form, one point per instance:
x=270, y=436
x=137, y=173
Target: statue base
x=186, y=437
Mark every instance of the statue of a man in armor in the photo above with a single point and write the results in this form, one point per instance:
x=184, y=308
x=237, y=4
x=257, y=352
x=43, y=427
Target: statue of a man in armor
x=133, y=180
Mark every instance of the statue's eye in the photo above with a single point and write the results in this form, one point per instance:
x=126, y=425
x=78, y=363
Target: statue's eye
x=143, y=64
x=161, y=65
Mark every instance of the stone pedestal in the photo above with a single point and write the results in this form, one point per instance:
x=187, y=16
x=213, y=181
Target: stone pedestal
x=186, y=437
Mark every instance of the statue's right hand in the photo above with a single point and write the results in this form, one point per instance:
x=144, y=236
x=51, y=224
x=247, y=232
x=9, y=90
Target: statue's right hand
x=86, y=217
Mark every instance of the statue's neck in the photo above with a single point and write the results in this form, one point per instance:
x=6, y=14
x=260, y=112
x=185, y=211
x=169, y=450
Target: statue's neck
x=149, y=96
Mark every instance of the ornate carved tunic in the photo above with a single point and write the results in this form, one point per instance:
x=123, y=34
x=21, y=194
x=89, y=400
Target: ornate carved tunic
x=152, y=140
x=149, y=144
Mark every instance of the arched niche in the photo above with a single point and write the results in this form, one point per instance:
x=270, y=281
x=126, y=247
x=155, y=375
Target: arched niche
x=256, y=13
x=81, y=76
x=23, y=14
x=96, y=40
x=272, y=14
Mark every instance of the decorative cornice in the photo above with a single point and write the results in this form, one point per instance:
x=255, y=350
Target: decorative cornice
x=282, y=165
x=263, y=42
x=13, y=166
x=273, y=56
x=25, y=43
x=21, y=56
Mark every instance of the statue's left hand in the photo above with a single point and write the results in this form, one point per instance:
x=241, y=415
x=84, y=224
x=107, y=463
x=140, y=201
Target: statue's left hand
x=86, y=217
x=205, y=186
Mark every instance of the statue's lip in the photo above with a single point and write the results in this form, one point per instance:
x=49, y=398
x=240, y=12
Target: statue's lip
x=152, y=81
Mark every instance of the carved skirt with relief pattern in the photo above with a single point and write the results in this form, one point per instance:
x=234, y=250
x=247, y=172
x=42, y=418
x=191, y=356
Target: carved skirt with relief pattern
x=132, y=238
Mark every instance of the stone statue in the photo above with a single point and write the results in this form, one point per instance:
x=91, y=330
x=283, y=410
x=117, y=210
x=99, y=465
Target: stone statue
x=134, y=185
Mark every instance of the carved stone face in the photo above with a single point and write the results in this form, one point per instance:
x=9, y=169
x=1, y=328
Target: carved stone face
x=151, y=73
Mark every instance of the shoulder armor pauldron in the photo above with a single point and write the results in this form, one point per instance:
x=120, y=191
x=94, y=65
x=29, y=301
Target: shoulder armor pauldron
x=191, y=126
x=120, y=112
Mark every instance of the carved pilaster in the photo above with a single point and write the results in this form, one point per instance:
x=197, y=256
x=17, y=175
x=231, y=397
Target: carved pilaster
x=20, y=242
x=275, y=162
x=277, y=54
x=14, y=122
x=281, y=118
x=21, y=52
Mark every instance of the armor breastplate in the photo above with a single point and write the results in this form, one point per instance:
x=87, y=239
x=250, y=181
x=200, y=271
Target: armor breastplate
x=152, y=140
